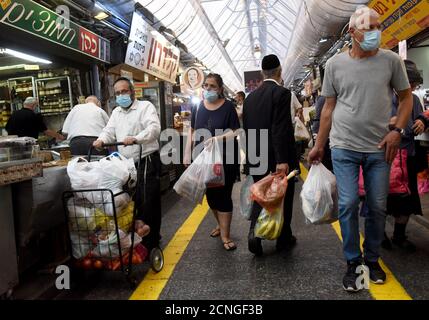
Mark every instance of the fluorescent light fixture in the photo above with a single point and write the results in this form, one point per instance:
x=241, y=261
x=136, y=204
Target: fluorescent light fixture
x=24, y=56
x=17, y=66
x=257, y=55
x=323, y=40
x=101, y=15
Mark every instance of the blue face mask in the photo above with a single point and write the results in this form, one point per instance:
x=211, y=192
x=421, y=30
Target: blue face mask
x=211, y=96
x=372, y=40
x=124, y=101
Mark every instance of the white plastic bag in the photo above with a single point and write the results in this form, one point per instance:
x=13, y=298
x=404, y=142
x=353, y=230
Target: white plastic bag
x=214, y=174
x=301, y=132
x=108, y=248
x=121, y=201
x=319, y=196
x=115, y=173
x=83, y=174
x=246, y=202
x=191, y=184
x=81, y=246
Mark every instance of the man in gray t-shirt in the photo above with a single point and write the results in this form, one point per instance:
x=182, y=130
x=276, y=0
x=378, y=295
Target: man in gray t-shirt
x=358, y=87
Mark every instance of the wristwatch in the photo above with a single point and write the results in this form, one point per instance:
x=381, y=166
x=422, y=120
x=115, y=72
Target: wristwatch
x=399, y=130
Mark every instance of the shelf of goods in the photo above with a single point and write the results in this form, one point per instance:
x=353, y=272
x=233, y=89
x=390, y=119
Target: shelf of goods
x=54, y=95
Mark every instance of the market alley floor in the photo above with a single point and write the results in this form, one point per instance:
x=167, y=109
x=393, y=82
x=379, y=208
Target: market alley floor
x=197, y=266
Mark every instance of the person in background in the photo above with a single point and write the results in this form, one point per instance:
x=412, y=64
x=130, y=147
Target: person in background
x=326, y=161
x=217, y=113
x=268, y=108
x=402, y=206
x=297, y=112
x=135, y=123
x=239, y=98
x=27, y=123
x=358, y=87
x=84, y=124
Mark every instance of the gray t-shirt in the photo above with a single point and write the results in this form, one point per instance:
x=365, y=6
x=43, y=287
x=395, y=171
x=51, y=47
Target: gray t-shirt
x=363, y=88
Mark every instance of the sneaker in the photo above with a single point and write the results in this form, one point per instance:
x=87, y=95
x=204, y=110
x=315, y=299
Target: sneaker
x=376, y=273
x=404, y=244
x=254, y=243
x=350, y=278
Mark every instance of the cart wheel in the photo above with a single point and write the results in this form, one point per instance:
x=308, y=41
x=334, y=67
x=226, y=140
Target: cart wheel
x=156, y=259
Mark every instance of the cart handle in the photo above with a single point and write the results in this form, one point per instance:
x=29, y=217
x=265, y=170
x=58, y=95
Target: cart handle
x=113, y=144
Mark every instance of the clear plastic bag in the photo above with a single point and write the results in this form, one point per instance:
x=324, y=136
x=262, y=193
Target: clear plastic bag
x=191, y=184
x=107, y=246
x=215, y=174
x=270, y=223
x=246, y=202
x=319, y=196
x=270, y=191
x=301, y=132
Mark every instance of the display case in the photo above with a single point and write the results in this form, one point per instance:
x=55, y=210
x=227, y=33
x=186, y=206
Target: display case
x=21, y=88
x=55, y=95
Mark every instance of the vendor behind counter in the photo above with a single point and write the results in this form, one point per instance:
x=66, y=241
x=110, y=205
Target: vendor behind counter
x=27, y=123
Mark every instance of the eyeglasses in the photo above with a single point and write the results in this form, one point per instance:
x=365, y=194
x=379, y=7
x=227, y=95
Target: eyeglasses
x=210, y=86
x=122, y=92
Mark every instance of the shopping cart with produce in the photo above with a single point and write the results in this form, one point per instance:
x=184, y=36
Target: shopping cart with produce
x=101, y=213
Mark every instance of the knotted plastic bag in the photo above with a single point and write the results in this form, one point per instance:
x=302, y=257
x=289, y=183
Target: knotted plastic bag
x=319, y=196
x=270, y=191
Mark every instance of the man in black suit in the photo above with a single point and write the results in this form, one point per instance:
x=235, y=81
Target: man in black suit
x=267, y=109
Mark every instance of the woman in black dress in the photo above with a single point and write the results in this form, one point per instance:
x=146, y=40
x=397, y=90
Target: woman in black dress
x=218, y=116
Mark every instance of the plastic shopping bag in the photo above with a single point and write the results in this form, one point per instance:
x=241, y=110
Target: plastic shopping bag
x=83, y=174
x=215, y=174
x=246, y=202
x=115, y=173
x=191, y=184
x=81, y=246
x=319, y=196
x=270, y=191
x=301, y=132
x=270, y=224
x=107, y=246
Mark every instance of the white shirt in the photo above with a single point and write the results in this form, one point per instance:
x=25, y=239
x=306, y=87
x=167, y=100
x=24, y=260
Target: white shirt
x=272, y=80
x=140, y=121
x=85, y=120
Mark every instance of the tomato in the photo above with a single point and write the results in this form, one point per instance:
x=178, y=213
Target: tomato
x=87, y=263
x=137, y=259
x=98, y=264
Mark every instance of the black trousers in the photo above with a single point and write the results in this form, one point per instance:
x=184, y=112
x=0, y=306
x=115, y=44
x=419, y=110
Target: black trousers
x=287, y=211
x=79, y=146
x=148, y=197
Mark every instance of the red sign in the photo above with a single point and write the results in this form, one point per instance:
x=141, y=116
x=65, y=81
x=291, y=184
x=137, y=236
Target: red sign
x=89, y=42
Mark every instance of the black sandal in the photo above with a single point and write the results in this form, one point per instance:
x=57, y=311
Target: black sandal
x=215, y=233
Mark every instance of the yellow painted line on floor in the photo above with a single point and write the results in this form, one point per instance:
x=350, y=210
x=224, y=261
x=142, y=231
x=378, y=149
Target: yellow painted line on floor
x=153, y=283
x=391, y=289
